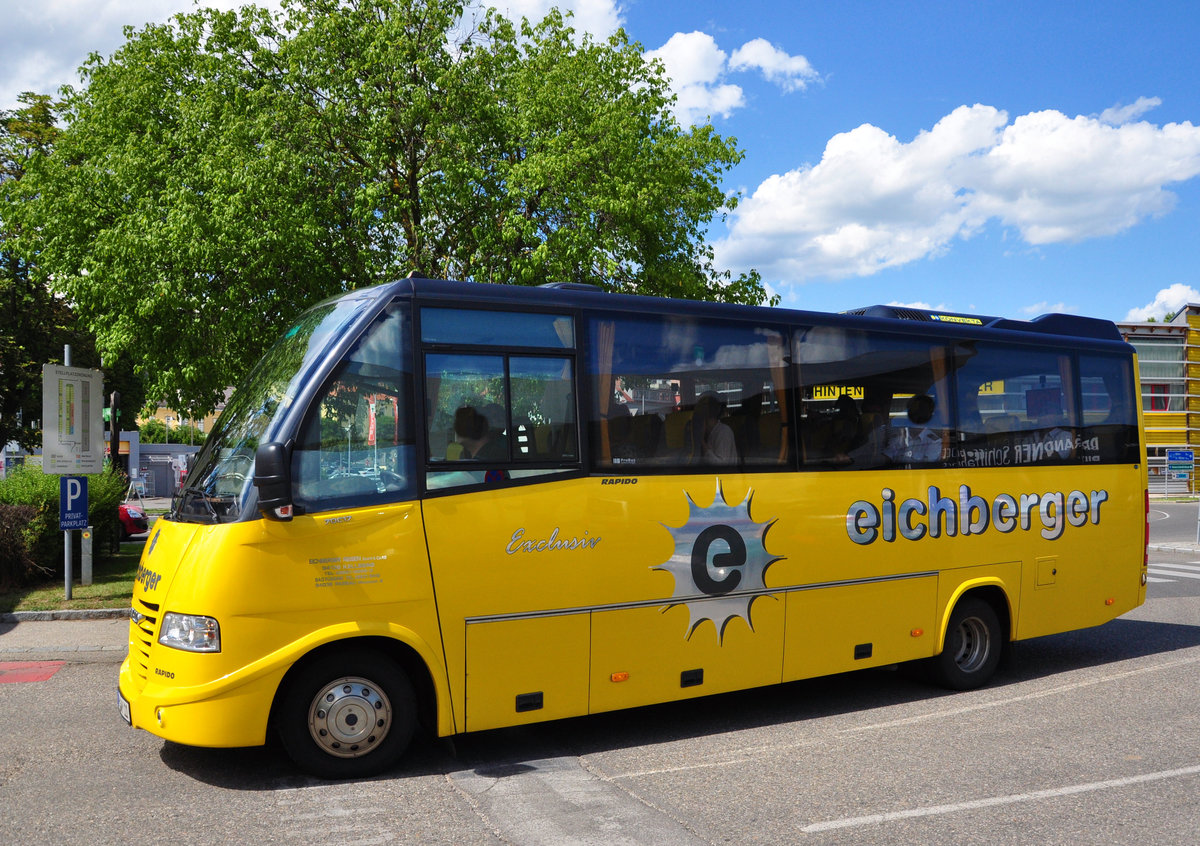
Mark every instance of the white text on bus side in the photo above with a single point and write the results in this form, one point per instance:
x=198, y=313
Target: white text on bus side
x=970, y=514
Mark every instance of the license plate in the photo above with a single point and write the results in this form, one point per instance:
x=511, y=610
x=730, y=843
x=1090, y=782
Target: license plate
x=123, y=705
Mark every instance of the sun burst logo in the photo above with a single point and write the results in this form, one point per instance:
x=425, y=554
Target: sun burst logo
x=719, y=562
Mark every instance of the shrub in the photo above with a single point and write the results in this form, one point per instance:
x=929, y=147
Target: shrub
x=29, y=486
x=17, y=568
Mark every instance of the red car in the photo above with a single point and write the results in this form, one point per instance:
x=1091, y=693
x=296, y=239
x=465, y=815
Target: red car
x=132, y=521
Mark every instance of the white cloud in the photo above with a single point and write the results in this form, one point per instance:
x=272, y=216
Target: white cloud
x=1118, y=115
x=694, y=64
x=874, y=201
x=698, y=71
x=1045, y=307
x=920, y=305
x=600, y=18
x=1166, y=301
x=44, y=43
x=792, y=73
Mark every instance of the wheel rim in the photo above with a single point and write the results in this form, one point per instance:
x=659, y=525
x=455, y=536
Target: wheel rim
x=974, y=644
x=349, y=717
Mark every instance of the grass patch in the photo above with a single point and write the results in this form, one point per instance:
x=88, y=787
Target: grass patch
x=112, y=586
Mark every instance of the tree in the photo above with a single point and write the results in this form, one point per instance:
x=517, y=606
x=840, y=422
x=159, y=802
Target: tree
x=35, y=324
x=221, y=172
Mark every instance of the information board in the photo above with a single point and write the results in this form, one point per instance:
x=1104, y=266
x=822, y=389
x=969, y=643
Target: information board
x=72, y=420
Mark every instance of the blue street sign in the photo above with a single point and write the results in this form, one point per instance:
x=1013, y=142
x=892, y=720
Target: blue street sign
x=72, y=502
x=1181, y=455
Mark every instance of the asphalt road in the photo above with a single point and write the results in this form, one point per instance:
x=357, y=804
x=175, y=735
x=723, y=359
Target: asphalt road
x=1090, y=737
x=1173, y=522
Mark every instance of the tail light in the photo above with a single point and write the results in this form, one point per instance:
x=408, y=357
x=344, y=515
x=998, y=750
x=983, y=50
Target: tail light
x=1146, y=537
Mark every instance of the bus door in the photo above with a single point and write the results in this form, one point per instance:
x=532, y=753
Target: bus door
x=689, y=423
x=502, y=476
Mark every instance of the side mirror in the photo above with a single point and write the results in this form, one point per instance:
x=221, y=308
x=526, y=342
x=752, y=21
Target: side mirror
x=273, y=478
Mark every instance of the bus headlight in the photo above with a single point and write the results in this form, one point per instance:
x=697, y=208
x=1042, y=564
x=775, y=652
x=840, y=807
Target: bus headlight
x=190, y=632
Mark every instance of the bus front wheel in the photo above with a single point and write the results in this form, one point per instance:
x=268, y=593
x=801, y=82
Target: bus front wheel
x=972, y=649
x=348, y=715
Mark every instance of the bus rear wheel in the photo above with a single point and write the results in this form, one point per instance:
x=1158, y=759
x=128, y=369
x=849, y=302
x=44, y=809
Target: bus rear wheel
x=348, y=715
x=972, y=649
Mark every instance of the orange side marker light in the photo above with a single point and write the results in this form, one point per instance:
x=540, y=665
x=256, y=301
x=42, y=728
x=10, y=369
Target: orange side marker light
x=619, y=677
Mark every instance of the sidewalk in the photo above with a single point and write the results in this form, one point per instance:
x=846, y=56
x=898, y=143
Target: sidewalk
x=79, y=639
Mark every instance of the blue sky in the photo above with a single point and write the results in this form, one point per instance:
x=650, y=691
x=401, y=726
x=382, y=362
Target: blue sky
x=1001, y=158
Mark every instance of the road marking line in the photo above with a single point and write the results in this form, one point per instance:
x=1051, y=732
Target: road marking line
x=1159, y=581
x=1183, y=574
x=28, y=671
x=1027, y=697
x=738, y=756
x=994, y=801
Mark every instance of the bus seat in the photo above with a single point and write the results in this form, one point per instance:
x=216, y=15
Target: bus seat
x=643, y=434
x=770, y=430
x=676, y=426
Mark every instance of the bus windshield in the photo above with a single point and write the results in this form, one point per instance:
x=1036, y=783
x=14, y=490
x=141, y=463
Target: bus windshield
x=219, y=482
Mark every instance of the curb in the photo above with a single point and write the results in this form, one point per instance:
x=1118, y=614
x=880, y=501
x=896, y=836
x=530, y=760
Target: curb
x=1188, y=548
x=79, y=614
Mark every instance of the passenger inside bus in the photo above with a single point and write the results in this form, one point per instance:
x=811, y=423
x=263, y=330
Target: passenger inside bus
x=712, y=439
x=479, y=440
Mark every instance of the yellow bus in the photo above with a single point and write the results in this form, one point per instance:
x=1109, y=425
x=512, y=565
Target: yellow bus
x=460, y=507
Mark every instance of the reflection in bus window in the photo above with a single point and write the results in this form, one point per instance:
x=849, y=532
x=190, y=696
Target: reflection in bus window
x=355, y=446
x=1019, y=407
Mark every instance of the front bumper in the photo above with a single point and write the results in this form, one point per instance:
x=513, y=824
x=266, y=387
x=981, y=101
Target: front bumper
x=224, y=717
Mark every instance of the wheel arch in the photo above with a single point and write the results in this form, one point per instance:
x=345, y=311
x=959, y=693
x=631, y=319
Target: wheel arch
x=991, y=591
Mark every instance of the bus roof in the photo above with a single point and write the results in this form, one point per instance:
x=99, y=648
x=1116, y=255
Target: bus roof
x=905, y=320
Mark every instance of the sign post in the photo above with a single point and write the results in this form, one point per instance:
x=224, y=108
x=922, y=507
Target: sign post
x=1183, y=462
x=72, y=441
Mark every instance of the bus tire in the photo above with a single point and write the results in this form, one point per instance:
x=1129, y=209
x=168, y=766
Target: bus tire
x=972, y=648
x=348, y=714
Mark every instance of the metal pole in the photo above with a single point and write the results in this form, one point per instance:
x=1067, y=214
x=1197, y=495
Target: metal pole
x=85, y=557
x=67, y=532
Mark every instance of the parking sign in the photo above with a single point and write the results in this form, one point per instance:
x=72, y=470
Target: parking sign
x=72, y=502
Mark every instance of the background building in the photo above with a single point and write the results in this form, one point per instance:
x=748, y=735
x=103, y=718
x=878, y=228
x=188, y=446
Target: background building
x=1169, y=364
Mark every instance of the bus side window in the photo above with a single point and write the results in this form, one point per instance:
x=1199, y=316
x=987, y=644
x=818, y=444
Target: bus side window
x=543, y=413
x=1110, y=433
x=1016, y=406
x=494, y=418
x=871, y=400
x=681, y=392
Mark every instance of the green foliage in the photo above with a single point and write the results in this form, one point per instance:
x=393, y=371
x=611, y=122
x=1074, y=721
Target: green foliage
x=221, y=172
x=156, y=432
x=29, y=486
x=34, y=323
